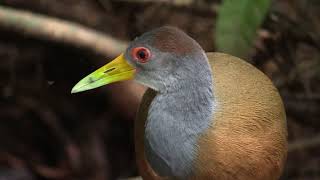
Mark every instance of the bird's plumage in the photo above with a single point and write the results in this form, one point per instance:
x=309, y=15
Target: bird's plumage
x=247, y=137
x=205, y=116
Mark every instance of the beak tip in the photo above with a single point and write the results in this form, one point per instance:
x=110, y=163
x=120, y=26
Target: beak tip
x=76, y=89
x=73, y=91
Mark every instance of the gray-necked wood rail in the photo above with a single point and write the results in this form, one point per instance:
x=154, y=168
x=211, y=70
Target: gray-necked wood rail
x=204, y=116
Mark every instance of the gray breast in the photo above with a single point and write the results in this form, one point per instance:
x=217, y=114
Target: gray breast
x=174, y=123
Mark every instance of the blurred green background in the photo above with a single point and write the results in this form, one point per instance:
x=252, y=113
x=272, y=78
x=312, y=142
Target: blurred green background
x=47, y=46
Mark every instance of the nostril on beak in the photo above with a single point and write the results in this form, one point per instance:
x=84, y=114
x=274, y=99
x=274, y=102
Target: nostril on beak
x=109, y=70
x=91, y=80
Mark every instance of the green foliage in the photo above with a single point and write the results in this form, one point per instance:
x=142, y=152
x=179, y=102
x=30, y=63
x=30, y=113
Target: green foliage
x=237, y=24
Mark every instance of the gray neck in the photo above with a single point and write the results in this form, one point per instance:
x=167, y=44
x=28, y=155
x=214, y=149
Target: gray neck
x=177, y=117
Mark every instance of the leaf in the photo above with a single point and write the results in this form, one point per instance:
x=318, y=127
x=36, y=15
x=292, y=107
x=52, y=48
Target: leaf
x=237, y=24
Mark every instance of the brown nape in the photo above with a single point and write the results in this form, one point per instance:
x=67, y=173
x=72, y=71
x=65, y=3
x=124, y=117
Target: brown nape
x=166, y=40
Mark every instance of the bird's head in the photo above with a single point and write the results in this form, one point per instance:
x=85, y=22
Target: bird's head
x=158, y=59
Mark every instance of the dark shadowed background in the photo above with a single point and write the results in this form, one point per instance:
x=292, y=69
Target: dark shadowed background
x=47, y=133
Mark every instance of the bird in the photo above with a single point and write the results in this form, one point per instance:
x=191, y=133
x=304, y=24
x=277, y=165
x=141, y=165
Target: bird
x=204, y=115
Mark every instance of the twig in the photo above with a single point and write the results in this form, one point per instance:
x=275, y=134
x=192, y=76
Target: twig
x=304, y=143
x=53, y=29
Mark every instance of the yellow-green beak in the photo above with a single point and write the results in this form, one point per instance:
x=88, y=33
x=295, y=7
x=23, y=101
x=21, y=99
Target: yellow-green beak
x=116, y=70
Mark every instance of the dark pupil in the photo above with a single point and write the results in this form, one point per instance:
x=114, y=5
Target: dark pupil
x=142, y=54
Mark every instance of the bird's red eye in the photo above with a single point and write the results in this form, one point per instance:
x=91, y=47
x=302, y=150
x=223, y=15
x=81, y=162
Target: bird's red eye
x=141, y=54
